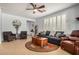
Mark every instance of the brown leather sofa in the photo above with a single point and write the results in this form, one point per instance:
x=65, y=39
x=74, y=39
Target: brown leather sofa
x=71, y=43
x=8, y=36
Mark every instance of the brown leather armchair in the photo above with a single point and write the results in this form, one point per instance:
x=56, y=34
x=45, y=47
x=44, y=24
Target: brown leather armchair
x=71, y=43
x=23, y=35
x=8, y=36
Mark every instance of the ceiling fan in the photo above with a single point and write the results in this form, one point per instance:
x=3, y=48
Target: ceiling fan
x=37, y=8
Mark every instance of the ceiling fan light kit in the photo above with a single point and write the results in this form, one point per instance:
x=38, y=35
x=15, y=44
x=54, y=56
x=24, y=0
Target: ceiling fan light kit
x=35, y=10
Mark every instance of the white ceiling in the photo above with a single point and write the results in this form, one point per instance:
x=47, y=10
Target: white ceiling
x=20, y=9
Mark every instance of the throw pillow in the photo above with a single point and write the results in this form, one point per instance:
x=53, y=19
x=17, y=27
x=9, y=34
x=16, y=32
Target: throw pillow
x=58, y=34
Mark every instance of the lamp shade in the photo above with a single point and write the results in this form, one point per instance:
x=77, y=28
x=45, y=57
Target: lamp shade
x=16, y=22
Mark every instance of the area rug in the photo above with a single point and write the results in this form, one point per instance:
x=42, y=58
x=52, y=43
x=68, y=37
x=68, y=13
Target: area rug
x=48, y=48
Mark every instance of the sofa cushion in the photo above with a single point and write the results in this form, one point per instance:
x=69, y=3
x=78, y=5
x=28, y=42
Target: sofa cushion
x=54, y=40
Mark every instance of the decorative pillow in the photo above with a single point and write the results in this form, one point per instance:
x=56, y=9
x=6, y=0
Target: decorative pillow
x=58, y=34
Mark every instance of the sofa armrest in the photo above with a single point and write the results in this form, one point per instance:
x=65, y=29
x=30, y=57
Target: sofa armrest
x=64, y=38
x=77, y=43
x=74, y=38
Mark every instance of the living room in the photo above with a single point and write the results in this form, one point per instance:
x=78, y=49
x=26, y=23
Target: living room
x=33, y=24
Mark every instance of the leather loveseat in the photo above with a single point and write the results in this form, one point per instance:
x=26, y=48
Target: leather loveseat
x=71, y=43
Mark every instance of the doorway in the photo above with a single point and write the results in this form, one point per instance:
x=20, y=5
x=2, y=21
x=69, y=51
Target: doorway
x=30, y=25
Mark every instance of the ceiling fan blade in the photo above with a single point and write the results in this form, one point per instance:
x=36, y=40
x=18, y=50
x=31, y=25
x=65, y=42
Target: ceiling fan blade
x=29, y=9
x=43, y=6
x=32, y=5
x=40, y=11
x=44, y=10
x=35, y=5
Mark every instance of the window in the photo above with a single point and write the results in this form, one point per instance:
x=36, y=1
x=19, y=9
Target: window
x=59, y=23
x=63, y=22
x=56, y=23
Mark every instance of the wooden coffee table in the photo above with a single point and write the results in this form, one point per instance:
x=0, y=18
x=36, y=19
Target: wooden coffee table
x=40, y=41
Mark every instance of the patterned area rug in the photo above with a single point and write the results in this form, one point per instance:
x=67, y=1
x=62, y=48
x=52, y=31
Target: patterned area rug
x=48, y=48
